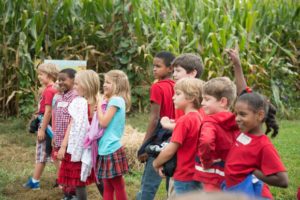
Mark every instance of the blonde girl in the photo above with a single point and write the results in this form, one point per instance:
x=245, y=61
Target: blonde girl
x=112, y=163
x=81, y=109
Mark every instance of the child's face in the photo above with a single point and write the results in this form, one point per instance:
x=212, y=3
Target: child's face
x=107, y=86
x=210, y=104
x=65, y=82
x=180, y=100
x=247, y=120
x=160, y=70
x=180, y=72
x=43, y=78
x=78, y=87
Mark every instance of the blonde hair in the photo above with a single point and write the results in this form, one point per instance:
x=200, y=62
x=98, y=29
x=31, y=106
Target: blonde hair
x=90, y=82
x=50, y=69
x=120, y=86
x=221, y=87
x=192, y=89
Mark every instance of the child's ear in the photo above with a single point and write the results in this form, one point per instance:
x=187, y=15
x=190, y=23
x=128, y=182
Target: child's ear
x=261, y=115
x=224, y=102
x=193, y=73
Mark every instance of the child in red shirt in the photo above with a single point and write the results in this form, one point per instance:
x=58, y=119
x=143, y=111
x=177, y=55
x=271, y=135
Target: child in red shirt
x=188, y=98
x=253, y=152
x=47, y=75
x=161, y=93
x=217, y=132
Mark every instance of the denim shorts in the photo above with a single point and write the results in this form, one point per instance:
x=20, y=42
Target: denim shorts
x=182, y=187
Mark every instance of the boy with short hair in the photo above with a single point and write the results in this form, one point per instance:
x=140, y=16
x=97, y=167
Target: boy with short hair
x=161, y=93
x=186, y=65
x=217, y=133
x=47, y=75
x=187, y=98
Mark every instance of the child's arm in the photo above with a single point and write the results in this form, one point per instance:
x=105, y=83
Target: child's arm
x=238, y=71
x=153, y=121
x=64, y=144
x=166, y=155
x=45, y=122
x=207, y=144
x=105, y=118
x=279, y=179
x=167, y=123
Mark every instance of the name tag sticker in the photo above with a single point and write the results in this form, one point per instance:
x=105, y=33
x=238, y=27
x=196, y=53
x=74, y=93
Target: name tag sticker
x=62, y=104
x=244, y=139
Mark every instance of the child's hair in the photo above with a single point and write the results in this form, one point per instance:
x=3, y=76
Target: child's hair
x=121, y=86
x=50, y=69
x=192, y=89
x=189, y=62
x=70, y=72
x=167, y=57
x=257, y=102
x=220, y=87
x=90, y=82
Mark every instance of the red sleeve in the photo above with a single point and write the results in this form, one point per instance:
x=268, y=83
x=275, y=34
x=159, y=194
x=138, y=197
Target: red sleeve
x=207, y=144
x=270, y=161
x=179, y=133
x=49, y=94
x=156, y=94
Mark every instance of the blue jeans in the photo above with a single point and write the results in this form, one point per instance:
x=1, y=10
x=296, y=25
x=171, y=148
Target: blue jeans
x=182, y=187
x=150, y=182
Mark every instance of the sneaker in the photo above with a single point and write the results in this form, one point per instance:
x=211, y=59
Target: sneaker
x=32, y=185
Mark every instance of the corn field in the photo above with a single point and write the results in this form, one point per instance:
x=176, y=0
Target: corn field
x=125, y=34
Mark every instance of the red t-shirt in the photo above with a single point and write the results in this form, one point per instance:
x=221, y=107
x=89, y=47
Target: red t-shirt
x=186, y=133
x=252, y=152
x=179, y=113
x=161, y=93
x=46, y=98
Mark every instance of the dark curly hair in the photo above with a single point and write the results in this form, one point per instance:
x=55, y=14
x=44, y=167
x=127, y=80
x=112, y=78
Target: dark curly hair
x=257, y=102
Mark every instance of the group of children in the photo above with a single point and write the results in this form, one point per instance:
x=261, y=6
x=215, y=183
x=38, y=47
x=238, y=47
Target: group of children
x=215, y=149
x=80, y=117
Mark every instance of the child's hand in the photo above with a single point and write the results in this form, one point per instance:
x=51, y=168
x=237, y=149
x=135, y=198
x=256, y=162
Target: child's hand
x=143, y=157
x=52, y=143
x=41, y=135
x=167, y=123
x=160, y=172
x=234, y=56
x=61, y=153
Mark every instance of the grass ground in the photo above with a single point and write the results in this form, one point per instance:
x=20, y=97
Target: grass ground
x=17, y=157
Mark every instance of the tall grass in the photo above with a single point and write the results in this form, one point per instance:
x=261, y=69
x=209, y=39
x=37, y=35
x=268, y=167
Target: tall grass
x=125, y=34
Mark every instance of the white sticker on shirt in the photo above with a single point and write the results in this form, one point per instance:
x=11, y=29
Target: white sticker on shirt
x=62, y=104
x=244, y=139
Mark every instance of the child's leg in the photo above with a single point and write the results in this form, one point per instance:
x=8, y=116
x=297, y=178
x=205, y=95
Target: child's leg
x=118, y=184
x=81, y=193
x=108, y=190
x=38, y=170
x=150, y=182
x=41, y=159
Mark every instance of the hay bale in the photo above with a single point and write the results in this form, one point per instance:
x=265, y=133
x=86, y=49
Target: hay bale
x=132, y=140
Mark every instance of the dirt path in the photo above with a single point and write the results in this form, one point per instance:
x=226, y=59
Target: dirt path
x=17, y=162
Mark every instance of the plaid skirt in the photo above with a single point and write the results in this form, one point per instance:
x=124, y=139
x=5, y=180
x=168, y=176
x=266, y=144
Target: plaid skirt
x=69, y=173
x=112, y=165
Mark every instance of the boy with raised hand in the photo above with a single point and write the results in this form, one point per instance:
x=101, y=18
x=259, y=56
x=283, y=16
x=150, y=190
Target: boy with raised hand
x=161, y=93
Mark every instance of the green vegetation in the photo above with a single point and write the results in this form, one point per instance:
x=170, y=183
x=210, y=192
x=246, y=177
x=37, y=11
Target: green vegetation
x=125, y=34
x=17, y=153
